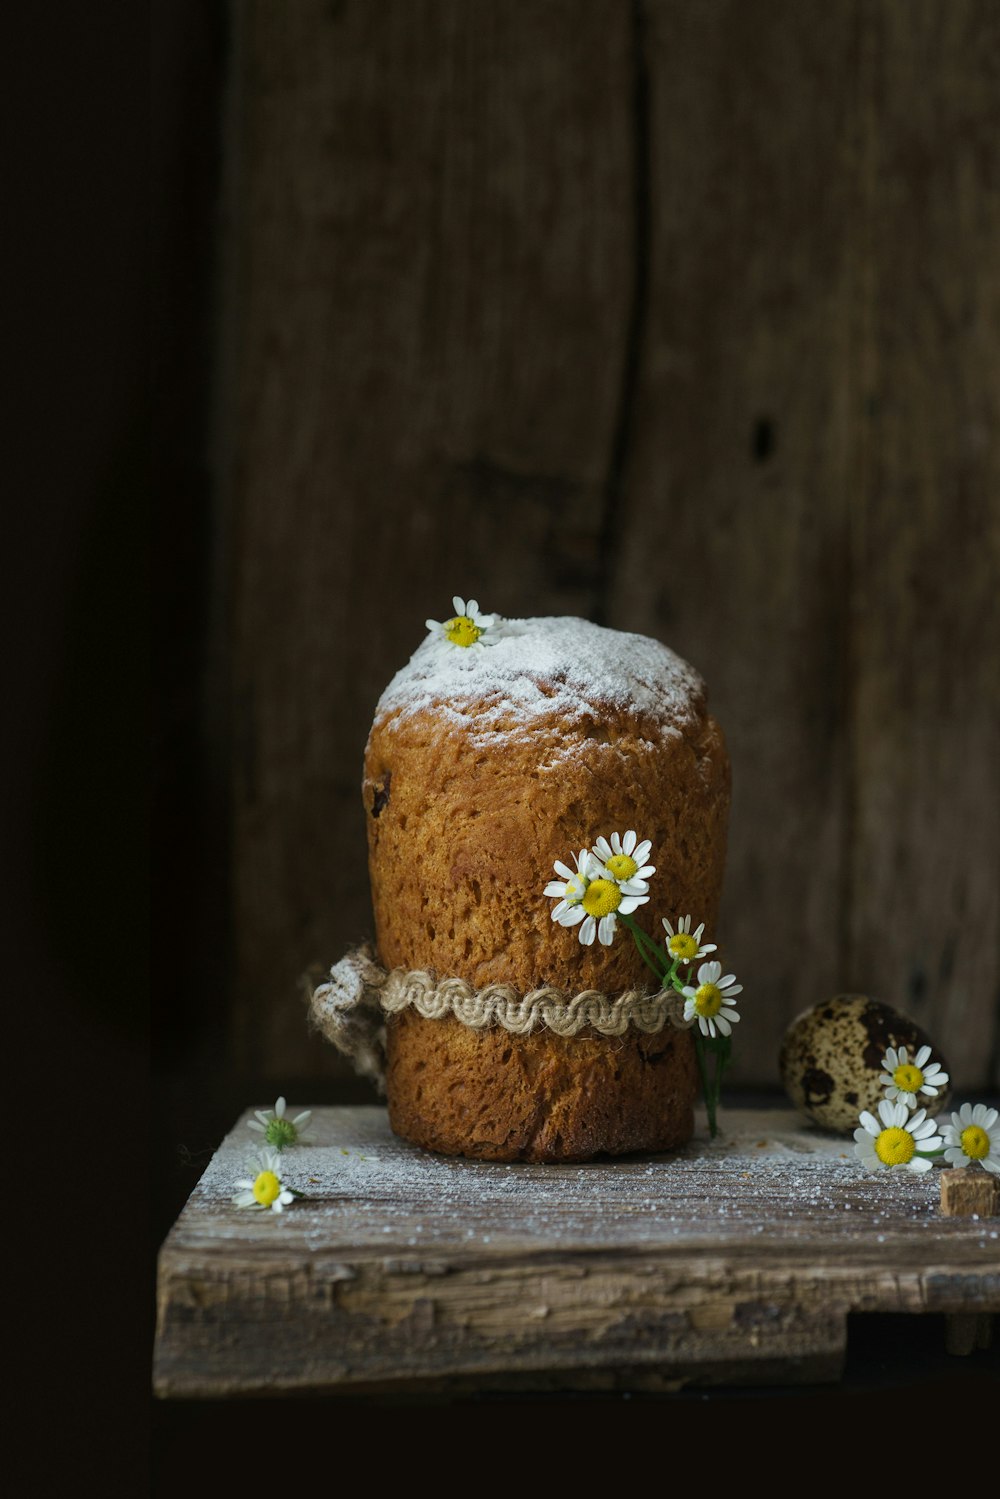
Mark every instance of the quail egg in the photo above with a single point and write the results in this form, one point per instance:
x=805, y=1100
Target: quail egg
x=831, y=1059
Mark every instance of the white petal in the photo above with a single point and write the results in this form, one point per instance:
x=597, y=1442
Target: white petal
x=603, y=849
x=279, y=1108
x=708, y=947
x=921, y=1056
x=629, y=841
x=563, y=869
x=588, y=932
x=641, y=853
x=919, y=1163
x=572, y=916
x=606, y=930
x=669, y=928
x=696, y=934
x=891, y=1059
x=632, y=903
x=708, y=973
x=723, y=1023
x=255, y=1124
x=301, y=1120
x=458, y=604
x=965, y=1113
x=688, y=992
x=870, y=1123
x=733, y=989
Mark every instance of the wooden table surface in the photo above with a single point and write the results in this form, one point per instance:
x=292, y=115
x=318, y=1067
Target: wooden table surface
x=734, y=1261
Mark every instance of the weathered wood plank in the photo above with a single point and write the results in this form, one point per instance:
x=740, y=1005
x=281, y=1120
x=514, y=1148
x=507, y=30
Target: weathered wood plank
x=733, y=1260
x=923, y=899
x=433, y=263
x=734, y=519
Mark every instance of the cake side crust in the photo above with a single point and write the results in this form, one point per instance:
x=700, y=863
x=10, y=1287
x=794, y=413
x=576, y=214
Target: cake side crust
x=494, y=1096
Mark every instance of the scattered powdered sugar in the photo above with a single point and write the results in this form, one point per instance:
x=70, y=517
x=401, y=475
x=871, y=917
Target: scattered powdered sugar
x=537, y=667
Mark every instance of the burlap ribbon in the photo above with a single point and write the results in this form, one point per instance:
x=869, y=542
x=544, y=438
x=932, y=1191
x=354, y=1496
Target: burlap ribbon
x=349, y=1007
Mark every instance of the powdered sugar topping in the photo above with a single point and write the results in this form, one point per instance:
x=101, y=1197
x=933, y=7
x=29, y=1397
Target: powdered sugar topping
x=537, y=667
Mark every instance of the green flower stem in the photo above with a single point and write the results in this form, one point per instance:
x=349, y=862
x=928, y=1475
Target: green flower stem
x=648, y=950
x=706, y=1092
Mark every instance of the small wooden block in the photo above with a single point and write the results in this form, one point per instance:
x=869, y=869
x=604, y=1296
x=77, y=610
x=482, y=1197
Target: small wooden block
x=967, y=1192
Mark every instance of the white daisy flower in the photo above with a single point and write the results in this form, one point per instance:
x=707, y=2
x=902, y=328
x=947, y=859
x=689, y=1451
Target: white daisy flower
x=570, y=890
x=973, y=1135
x=896, y=1138
x=623, y=860
x=276, y=1129
x=466, y=627
x=685, y=944
x=711, y=1003
x=590, y=900
x=265, y=1188
x=903, y=1079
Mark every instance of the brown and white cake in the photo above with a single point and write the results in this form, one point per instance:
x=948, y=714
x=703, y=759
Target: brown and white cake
x=491, y=757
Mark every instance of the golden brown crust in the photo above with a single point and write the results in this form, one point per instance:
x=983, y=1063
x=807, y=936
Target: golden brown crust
x=498, y=1097
x=469, y=801
x=462, y=840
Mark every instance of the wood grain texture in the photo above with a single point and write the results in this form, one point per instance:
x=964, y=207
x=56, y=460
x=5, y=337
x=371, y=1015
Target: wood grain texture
x=734, y=511
x=735, y=1261
x=922, y=903
x=434, y=262
x=683, y=317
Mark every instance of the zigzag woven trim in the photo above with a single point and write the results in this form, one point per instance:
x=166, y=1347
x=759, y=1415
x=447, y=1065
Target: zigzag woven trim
x=558, y=1010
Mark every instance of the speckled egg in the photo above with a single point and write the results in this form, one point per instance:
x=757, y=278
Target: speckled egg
x=831, y=1059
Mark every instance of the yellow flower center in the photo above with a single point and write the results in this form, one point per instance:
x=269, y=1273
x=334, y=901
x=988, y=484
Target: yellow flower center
x=602, y=897
x=461, y=630
x=622, y=867
x=894, y=1147
x=908, y=1078
x=708, y=999
x=683, y=946
x=975, y=1142
x=266, y=1188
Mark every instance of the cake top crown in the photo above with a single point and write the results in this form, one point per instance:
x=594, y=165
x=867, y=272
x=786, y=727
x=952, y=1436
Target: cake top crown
x=535, y=668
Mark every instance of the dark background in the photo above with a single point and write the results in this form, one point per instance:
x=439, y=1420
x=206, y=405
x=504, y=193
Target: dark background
x=679, y=316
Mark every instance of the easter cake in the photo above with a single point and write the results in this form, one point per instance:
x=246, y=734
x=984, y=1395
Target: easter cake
x=502, y=750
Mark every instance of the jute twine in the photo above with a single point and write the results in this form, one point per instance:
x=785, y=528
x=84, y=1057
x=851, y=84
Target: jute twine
x=349, y=1008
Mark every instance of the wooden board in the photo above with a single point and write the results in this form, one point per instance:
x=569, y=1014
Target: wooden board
x=684, y=317
x=401, y=413
x=733, y=1261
